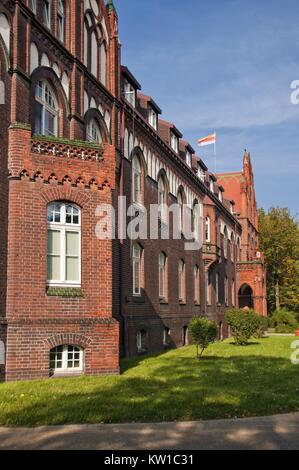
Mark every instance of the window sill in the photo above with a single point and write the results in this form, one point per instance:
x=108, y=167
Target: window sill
x=163, y=301
x=66, y=292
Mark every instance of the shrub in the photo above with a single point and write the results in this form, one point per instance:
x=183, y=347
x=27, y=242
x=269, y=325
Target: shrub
x=284, y=321
x=244, y=324
x=203, y=332
x=263, y=325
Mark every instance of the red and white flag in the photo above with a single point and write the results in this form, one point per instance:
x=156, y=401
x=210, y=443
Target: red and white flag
x=209, y=140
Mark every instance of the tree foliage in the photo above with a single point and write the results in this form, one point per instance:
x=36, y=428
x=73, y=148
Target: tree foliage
x=279, y=240
x=284, y=321
x=203, y=332
x=244, y=324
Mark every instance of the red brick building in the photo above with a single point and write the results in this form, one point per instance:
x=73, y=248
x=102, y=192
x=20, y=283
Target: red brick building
x=251, y=278
x=76, y=134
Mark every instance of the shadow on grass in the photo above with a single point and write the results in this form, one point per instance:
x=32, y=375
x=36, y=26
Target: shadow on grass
x=172, y=388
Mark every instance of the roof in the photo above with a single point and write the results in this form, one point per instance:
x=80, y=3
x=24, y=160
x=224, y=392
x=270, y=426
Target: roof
x=126, y=73
x=150, y=100
x=171, y=126
x=185, y=144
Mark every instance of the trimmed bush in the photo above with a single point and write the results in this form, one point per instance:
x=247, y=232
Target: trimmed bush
x=284, y=321
x=244, y=324
x=203, y=332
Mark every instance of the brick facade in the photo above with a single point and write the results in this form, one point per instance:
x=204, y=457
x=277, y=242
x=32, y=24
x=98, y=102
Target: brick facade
x=101, y=316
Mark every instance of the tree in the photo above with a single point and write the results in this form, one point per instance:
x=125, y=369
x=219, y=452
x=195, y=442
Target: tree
x=203, y=332
x=279, y=240
x=244, y=324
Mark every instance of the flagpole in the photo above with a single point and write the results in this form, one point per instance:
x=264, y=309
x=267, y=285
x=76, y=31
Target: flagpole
x=215, y=152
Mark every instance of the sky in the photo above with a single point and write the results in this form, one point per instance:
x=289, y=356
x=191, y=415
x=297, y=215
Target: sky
x=224, y=65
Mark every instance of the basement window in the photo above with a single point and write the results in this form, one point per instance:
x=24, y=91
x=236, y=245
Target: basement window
x=66, y=359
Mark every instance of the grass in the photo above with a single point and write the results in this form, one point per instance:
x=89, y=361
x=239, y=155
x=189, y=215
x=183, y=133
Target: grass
x=229, y=381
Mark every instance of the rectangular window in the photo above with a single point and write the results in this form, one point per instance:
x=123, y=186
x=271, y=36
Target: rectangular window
x=33, y=5
x=174, y=142
x=152, y=118
x=130, y=93
x=189, y=159
x=47, y=13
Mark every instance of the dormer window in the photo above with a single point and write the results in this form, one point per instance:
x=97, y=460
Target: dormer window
x=152, y=118
x=231, y=208
x=211, y=185
x=201, y=174
x=130, y=93
x=220, y=196
x=188, y=158
x=174, y=142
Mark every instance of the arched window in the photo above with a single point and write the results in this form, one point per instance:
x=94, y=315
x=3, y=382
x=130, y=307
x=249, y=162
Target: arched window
x=196, y=221
x=166, y=336
x=46, y=110
x=103, y=68
x=47, y=13
x=208, y=288
x=93, y=132
x=162, y=276
x=181, y=275
x=226, y=291
x=181, y=211
x=162, y=198
x=225, y=243
x=141, y=341
x=63, y=244
x=208, y=229
x=232, y=248
x=66, y=359
x=185, y=336
x=196, y=285
x=136, y=180
x=137, y=269
x=233, y=293
x=60, y=21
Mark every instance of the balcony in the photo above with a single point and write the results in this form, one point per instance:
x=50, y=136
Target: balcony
x=210, y=254
x=69, y=149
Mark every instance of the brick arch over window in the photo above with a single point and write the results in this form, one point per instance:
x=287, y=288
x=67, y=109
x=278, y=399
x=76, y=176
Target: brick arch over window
x=48, y=74
x=96, y=115
x=73, y=339
x=61, y=193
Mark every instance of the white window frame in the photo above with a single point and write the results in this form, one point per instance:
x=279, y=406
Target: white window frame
x=174, y=142
x=63, y=227
x=162, y=275
x=32, y=6
x=65, y=369
x=129, y=93
x=45, y=88
x=136, y=176
x=201, y=174
x=141, y=335
x=208, y=229
x=137, y=261
x=181, y=276
x=152, y=118
x=189, y=158
x=211, y=185
x=47, y=13
x=196, y=285
x=60, y=21
x=93, y=128
x=162, y=199
x=166, y=336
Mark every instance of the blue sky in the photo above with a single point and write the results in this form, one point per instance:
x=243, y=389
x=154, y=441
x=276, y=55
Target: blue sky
x=225, y=65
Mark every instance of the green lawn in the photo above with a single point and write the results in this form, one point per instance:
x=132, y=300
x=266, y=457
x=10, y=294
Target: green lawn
x=229, y=381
